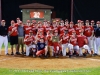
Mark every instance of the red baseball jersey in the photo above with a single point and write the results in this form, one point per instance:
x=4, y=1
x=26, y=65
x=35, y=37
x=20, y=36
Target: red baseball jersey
x=65, y=38
x=81, y=40
x=50, y=43
x=70, y=30
x=34, y=29
x=14, y=30
x=62, y=29
x=47, y=28
x=42, y=29
x=73, y=40
x=27, y=29
x=54, y=28
x=29, y=39
x=77, y=29
x=88, y=31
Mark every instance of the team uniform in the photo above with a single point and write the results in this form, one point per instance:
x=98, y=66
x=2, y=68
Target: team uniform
x=50, y=44
x=41, y=49
x=77, y=29
x=70, y=30
x=62, y=29
x=30, y=43
x=88, y=32
x=73, y=41
x=27, y=29
x=65, y=43
x=82, y=43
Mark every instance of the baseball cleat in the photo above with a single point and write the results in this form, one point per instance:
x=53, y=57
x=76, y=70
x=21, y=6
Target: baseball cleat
x=12, y=53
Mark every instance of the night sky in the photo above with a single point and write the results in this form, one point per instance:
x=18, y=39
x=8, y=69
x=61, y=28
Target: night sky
x=83, y=9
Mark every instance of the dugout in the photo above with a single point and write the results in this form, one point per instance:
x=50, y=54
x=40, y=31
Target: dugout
x=36, y=11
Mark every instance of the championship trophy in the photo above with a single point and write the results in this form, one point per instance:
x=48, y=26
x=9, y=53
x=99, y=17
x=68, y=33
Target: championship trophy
x=55, y=38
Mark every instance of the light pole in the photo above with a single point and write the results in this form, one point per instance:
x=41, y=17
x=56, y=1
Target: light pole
x=0, y=12
x=71, y=10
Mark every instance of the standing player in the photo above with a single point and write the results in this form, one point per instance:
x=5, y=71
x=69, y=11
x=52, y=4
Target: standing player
x=34, y=26
x=13, y=33
x=3, y=36
x=71, y=28
x=40, y=27
x=89, y=32
x=30, y=43
x=97, y=35
x=78, y=27
x=62, y=28
x=27, y=28
x=47, y=27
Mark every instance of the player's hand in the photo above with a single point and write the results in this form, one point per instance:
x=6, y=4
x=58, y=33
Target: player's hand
x=91, y=38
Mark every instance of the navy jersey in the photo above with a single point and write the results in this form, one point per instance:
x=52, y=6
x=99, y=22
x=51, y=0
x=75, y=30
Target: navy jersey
x=41, y=46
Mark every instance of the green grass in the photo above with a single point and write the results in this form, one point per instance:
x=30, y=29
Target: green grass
x=8, y=46
x=85, y=71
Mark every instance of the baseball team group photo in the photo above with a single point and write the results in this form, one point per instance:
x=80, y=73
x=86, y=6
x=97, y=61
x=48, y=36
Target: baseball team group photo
x=47, y=37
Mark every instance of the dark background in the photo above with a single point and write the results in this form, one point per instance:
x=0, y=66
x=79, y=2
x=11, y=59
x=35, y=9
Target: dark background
x=83, y=9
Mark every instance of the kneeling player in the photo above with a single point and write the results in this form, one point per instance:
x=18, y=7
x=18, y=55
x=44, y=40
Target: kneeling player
x=73, y=41
x=56, y=43
x=82, y=43
x=30, y=44
x=41, y=47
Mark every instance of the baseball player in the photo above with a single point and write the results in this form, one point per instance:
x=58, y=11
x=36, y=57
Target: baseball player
x=41, y=27
x=56, y=45
x=41, y=47
x=89, y=32
x=34, y=26
x=79, y=27
x=83, y=44
x=27, y=28
x=54, y=27
x=67, y=24
x=62, y=28
x=30, y=43
x=73, y=41
x=71, y=28
x=64, y=38
x=50, y=43
x=47, y=27
x=13, y=33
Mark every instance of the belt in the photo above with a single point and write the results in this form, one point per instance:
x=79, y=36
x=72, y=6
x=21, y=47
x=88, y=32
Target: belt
x=3, y=35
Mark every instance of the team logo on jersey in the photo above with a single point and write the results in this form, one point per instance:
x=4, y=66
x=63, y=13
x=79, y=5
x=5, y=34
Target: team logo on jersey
x=42, y=45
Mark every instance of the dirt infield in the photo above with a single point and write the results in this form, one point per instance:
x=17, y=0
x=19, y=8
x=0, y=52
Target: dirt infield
x=23, y=62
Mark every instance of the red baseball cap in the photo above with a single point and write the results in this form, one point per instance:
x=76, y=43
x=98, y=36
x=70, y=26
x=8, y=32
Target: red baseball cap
x=56, y=31
x=92, y=21
x=71, y=23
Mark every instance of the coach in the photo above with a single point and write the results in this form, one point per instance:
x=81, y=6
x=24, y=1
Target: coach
x=3, y=36
x=21, y=36
x=97, y=34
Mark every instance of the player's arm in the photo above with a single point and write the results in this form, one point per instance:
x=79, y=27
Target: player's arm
x=10, y=31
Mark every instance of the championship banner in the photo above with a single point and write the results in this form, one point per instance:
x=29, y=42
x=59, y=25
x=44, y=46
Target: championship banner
x=35, y=14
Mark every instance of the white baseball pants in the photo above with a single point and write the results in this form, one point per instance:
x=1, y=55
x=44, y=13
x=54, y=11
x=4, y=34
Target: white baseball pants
x=97, y=45
x=4, y=40
x=28, y=49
